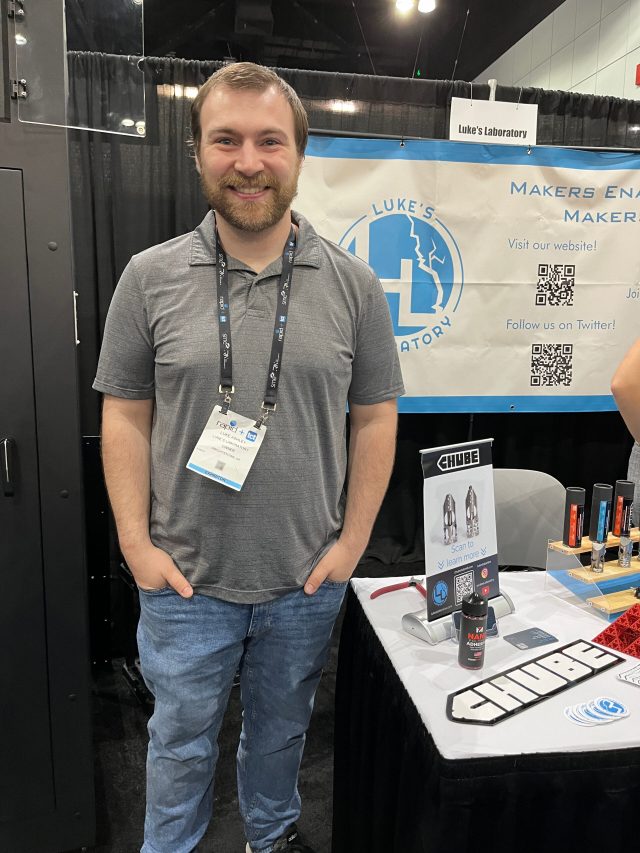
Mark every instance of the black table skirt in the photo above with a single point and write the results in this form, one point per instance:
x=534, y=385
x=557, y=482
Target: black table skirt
x=394, y=793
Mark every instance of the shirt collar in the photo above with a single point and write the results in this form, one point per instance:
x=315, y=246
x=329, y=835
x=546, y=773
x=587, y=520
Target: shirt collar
x=203, y=244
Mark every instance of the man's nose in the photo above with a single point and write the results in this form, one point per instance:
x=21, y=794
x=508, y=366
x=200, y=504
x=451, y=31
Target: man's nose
x=249, y=159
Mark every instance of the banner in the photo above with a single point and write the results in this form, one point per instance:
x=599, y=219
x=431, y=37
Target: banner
x=512, y=274
x=460, y=545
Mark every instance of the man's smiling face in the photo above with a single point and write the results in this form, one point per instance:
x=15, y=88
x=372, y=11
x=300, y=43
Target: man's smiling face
x=248, y=161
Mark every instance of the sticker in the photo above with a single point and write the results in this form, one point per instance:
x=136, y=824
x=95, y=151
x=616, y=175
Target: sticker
x=600, y=711
x=494, y=699
x=606, y=705
x=571, y=715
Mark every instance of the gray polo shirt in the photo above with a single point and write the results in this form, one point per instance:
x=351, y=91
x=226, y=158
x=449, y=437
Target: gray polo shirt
x=161, y=341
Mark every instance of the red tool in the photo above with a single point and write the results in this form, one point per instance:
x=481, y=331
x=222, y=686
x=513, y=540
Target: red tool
x=417, y=582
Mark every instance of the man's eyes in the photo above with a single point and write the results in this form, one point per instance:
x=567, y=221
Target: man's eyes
x=225, y=140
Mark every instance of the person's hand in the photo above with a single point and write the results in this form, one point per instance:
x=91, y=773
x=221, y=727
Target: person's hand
x=153, y=569
x=338, y=564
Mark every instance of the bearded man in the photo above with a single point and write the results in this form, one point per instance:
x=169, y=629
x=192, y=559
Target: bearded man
x=228, y=360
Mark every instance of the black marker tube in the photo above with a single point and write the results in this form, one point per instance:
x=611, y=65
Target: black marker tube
x=473, y=631
x=573, y=517
x=599, y=526
x=621, y=520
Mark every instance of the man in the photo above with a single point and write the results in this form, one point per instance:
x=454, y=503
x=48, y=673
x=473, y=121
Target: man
x=625, y=387
x=242, y=558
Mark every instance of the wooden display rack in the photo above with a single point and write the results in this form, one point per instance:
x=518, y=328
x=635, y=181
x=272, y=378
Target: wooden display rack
x=608, y=603
x=611, y=571
x=585, y=547
x=614, y=602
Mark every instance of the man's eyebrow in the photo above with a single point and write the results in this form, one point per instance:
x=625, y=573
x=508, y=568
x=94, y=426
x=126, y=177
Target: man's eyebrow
x=229, y=131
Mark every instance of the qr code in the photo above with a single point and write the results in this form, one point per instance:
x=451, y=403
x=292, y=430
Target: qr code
x=219, y=465
x=551, y=364
x=555, y=284
x=464, y=586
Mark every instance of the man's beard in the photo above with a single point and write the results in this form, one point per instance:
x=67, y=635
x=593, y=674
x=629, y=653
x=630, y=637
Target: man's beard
x=247, y=215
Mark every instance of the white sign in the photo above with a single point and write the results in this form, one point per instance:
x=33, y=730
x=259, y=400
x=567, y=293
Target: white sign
x=512, y=278
x=493, y=121
x=460, y=545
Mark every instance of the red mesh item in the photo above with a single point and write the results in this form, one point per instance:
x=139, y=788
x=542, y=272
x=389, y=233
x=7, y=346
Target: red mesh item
x=623, y=635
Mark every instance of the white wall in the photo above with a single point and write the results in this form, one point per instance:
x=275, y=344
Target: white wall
x=587, y=46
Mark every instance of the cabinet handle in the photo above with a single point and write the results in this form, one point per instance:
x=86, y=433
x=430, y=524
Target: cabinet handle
x=7, y=450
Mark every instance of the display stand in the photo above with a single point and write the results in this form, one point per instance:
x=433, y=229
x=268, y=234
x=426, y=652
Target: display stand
x=608, y=594
x=418, y=625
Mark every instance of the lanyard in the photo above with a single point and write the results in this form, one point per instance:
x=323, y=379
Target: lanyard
x=224, y=327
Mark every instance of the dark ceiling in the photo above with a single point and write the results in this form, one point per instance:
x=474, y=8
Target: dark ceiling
x=326, y=35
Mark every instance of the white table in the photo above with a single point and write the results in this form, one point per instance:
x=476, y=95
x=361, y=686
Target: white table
x=431, y=673
x=408, y=780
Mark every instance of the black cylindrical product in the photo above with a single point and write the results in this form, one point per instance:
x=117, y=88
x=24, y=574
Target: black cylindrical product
x=573, y=517
x=600, y=512
x=473, y=631
x=621, y=510
x=599, y=526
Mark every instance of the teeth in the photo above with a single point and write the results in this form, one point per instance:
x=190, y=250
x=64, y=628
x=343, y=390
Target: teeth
x=249, y=190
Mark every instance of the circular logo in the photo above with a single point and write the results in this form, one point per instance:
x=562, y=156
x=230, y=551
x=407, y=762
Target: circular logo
x=440, y=592
x=417, y=259
x=233, y=423
x=485, y=573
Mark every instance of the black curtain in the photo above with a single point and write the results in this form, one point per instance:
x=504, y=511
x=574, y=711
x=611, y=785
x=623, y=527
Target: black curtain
x=129, y=193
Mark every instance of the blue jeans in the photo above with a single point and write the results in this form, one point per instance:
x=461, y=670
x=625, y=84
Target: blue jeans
x=190, y=650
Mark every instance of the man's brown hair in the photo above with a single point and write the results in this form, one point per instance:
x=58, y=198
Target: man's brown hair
x=248, y=76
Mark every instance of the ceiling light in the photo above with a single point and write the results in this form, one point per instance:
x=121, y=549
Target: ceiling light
x=20, y=39
x=426, y=5
x=342, y=106
x=404, y=5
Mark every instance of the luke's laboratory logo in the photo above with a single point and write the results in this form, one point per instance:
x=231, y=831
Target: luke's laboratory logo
x=418, y=262
x=440, y=592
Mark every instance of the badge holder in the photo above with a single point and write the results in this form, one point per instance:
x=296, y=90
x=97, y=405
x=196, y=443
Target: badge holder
x=226, y=400
x=441, y=629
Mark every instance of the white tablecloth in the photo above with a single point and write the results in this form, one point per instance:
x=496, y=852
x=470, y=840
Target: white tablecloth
x=431, y=673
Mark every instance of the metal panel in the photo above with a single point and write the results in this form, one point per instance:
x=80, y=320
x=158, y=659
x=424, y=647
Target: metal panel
x=40, y=155
x=26, y=783
x=4, y=65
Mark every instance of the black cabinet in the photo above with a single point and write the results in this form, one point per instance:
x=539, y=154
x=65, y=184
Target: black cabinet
x=25, y=747
x=46, y=773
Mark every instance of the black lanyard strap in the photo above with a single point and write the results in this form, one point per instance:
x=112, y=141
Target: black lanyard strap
x=224, y=324
x=277, y=346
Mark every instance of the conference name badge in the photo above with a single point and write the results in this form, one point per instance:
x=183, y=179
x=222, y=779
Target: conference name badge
x=227, y=448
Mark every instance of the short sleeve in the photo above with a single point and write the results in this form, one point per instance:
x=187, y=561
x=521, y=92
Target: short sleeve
x=126, y=367
x=376, y=374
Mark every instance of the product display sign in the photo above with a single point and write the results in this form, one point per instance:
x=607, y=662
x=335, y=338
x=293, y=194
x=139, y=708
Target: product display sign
x=512, y=273
x=520, y=687
x=493, y=121
x=461, y=553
